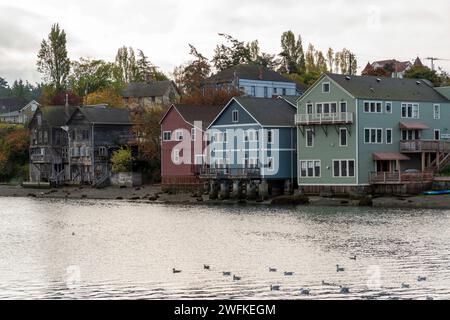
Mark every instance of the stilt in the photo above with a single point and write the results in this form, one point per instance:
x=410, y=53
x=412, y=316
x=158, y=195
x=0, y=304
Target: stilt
x=288, y=187
x=263, y=190
x=251, y=190
x=237, y=190
x=224, y=192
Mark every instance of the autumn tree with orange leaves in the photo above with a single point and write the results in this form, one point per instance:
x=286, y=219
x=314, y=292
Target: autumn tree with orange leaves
x=14, y=143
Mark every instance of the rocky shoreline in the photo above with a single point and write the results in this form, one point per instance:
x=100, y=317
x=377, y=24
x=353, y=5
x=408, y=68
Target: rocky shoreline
x=153, y=194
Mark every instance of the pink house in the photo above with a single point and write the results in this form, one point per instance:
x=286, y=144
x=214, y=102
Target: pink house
x=183, y=141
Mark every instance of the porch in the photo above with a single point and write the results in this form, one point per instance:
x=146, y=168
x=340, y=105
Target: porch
x=400, y=177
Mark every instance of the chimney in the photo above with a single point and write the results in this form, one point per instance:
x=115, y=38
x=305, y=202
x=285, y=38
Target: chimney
x=66, y=106
x=260, y=73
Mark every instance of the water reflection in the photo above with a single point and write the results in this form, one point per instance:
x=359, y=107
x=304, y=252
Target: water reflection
x=128, y=250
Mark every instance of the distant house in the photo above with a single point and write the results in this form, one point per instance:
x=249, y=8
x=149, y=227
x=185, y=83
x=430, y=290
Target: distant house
x=148, y=95
x=395, y=68
x=253, y=80
x=49, y=161
x=253, y=143
x=184, y=123
x=17, y=110
x=94, y=134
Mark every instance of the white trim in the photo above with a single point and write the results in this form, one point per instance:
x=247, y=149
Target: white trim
x=370, y=135
x=306, y=136
x=412, y=111
x=434, y=134
x=167, y=140
x=346, y=137
x=307, y=167
x=438, y=113
x=227, y=105
x=323, y=87
x=385, y=106
x=370, y=102
x=235, y=112
x=233, y=125
x=340, y=167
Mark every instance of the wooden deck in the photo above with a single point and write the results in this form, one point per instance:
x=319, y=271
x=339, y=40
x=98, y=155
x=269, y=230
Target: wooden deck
x=400, y=178
x=419, y=146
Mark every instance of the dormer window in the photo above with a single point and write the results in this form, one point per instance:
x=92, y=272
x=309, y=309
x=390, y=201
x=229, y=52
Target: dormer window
x=326, y=87
x=235, y=116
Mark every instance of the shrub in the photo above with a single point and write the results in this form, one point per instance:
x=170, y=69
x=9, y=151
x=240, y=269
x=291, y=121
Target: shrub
x=122, y=161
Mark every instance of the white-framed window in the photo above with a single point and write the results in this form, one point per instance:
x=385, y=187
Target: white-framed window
x=220, y=137
x=373, y=135
x=409, y=135
x=167, y=136
x=325, y=87
x=437, y=134
x=176, y=155
x=389, y=136
x=253, y=91
x=343, y=106
x=179, y=135
x=251, y=135
x=270, y=137
x=266, y=92
x=436, y=111
x=309, y=138
x=310, y=168
x=235, y=116
x=343, y=168
x=388, y=107
x=193, y=134
x=373, y=107
x=309, y=108
x=410, y=110
x=343, y=137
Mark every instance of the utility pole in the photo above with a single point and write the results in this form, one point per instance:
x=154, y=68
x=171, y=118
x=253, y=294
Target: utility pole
x=432, y=62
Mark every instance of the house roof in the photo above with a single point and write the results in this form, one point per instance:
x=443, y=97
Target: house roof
x=102, y=115
x=389, y=156
x=269, y=112
x=399, y=66
x=291, y=99
x=144, y=89
x=413, y=126
x=383, y=88
x=249, y=72
x=12, y=104
x=192, y=113
x=56, y=116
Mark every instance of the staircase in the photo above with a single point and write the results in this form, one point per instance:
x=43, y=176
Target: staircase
x=444, y=162
x=102, y=181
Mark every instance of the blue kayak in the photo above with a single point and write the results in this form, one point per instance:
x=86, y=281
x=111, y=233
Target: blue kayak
x=436, y=193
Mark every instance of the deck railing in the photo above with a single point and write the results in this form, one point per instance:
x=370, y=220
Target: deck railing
x=229, y=173
x=425, y=146
x=400, y=178
x=324, y=118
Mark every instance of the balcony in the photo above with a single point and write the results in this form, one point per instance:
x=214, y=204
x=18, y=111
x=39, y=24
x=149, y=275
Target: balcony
x=41, y=158
x=400, y=178
x=324, y=118
x=419, y=146
x=230, y=173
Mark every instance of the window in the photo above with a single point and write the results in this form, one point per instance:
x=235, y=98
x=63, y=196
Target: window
x=266, y=92
x=45, y=137
x=373, y=136
x=270, y=163
x=343, y=168
x=284, y=91
x=193, y=134
x=85, y=135
x=253, y=91
x=389, y=136
x=199, y=159
x=408, y=135
x=167, y=135
x=373, y=107
x=270, y=135
x=326, y=87
x=318, y=108
x=388, y=107
x=235, y=116
x=252, y=136
x=65, y=152
x=309, y=108
x=343, y=137
x=39, y=119
x=437, y=111
x=253, y=162
x=310, y=168
x=437, y=134
x=343, y=106
x=309, y=138
x=176, y=156
x=275, y=90
x=179, y=135
x=102, y=151
x=410, y=110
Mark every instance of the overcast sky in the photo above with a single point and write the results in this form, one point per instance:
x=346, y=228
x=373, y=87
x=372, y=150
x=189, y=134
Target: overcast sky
x=374, y=30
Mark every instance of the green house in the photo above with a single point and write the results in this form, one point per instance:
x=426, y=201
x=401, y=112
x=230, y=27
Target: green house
x=360, y=132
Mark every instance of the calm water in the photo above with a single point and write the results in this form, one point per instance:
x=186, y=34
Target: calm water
x=123, y=250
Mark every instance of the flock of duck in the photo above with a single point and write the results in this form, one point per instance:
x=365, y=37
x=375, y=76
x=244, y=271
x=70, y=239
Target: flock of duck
x=303, y=291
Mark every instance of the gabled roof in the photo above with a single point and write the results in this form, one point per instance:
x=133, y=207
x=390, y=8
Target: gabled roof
x=249, y=72
x=151, y=89
x=12, y=104
x=192, y=113
x=399, y=66
x=267, y=111
x=291, y=99
x=383, y=88
x=55, y=116
x=102, y=115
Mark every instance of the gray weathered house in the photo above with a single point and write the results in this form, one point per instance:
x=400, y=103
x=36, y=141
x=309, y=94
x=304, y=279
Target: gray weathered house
x=49, y=144
x=94, y=134
x=147, y=95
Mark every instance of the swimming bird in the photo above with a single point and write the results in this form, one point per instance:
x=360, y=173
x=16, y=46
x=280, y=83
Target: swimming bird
x=329, y=284
x=344, y=290
x=304, y=292
x=405, y=286
x=353, y=258
x=236, y=278
x=272, y=270
x=73, y=233
x=288, y=274
x=176, y=271
x=274, y=287
x=430, y=298
x=226, y=274
x=420, y=279
x=206, y=267
x=339, y=269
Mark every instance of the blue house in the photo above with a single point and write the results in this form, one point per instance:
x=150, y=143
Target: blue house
x=254, y=81
x=253, y=148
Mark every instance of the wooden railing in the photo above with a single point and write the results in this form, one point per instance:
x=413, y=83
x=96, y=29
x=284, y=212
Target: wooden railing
x=324, y=118
x=425, y=146
x=230, y=173
x=399, y=178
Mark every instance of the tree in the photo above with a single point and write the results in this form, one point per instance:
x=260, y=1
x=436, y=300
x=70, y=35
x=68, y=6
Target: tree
x=126, y=62
x=14, y=144
x=53, y=61
x=147, y=71
x=321, y=62
x=330, y=59
x=107, y=96
x=292, y=55
x=122, y=161
x=4, y=88
x=59, y=99
x=237, y=52
x=422, y=72
x=310, y=63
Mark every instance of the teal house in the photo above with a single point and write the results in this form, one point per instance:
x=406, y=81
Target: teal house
x=371, y=133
